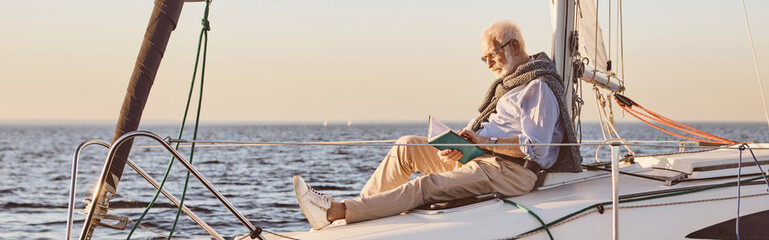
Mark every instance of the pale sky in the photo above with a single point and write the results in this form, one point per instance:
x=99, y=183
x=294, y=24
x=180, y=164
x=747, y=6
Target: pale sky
x=360, y=61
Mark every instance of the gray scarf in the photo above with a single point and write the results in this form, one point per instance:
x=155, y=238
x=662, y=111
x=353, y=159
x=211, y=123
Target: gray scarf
x=569, y=158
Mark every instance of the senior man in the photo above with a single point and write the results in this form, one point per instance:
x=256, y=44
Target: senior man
x=525, y=104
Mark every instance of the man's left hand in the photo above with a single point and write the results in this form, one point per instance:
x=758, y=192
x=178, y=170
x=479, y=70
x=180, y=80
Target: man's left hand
x=449, y=156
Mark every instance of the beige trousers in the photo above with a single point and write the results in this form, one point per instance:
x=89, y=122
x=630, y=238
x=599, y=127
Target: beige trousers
x=389, y=191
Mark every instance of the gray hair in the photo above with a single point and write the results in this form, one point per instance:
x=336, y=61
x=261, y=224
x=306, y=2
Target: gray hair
x=503, y=31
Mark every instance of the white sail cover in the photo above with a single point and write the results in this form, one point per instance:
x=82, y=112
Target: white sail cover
x=587, y=36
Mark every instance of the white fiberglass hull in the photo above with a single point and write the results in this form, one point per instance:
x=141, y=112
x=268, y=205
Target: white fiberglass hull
x=673, y=216
x=663, y=218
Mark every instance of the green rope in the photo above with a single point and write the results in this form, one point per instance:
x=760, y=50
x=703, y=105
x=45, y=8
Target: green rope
x=663, y=195
x=203, y=39
x=206, y=27
x=532, y=214
x=157, y=193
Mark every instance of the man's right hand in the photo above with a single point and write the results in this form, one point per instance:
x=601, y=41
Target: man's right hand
x=449, y=155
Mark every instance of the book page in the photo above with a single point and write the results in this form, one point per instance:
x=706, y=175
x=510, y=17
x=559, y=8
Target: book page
x=435, y=128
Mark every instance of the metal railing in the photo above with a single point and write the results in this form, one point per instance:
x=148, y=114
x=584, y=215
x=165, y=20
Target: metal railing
x=255, y=231
x=91, y=209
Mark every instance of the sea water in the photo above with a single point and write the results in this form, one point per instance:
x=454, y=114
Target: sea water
x=36, y=160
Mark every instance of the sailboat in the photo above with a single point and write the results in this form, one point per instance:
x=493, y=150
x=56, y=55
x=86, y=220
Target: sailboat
x=681, y=195
x=697, y=195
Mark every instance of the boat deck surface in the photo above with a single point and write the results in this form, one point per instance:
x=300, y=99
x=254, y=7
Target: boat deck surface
x=671, y=217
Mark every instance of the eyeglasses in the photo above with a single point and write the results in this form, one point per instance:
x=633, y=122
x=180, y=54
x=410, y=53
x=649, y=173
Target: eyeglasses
x=492, y=54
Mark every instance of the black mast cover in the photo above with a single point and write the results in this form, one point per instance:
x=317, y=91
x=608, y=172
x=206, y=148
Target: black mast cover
x=162, y=22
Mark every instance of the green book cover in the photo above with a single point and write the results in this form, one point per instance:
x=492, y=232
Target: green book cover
x=439, y=133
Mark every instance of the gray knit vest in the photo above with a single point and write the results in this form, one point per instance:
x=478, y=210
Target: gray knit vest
x=569, y=158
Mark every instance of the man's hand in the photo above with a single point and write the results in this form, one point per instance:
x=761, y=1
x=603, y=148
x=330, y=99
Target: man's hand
x=449, y=155
x=472, y=136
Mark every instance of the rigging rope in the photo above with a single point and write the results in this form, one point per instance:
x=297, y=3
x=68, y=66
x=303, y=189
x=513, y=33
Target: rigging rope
x=601, y=209
x=626, y=200
x=607, y=126
x=204, y=32
x=755, y=62
x=532, y=214
x=212, y=143
x=571, y=216
x=202, y=40
x=739, y=175
x=627, y=105
x=595, y=49
x=598, y=102
x=766, y=180
x=621, y=61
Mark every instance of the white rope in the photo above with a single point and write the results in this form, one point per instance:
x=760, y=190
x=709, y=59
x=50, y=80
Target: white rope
x=595, y=48
x=616, y=41
x=650, y=141
x=621, y=39
x=609, y=142
x=598, y=101
x=600, y=105
x=616, y=133
x=622, y=50
x=607, y=124
x=208, y=143
x=608, y=55
x=247, y=144
x=755, y=62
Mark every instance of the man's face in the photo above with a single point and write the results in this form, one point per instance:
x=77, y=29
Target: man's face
x=500, y=63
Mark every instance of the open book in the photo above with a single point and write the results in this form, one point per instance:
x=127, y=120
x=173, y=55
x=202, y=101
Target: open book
x=439, y=133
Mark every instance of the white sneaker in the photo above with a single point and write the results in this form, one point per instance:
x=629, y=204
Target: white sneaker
x=312, y=203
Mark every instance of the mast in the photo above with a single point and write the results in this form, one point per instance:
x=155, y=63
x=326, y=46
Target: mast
x=563, y=29
x=162, y=22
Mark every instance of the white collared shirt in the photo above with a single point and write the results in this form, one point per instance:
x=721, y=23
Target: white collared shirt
x=529, y=112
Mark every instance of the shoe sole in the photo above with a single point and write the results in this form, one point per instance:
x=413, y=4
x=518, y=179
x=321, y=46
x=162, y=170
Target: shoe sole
x=299, y=200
